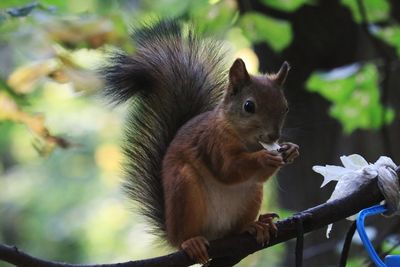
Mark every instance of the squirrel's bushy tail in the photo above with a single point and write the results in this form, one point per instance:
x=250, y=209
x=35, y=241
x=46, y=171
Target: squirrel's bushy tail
x=172, y=77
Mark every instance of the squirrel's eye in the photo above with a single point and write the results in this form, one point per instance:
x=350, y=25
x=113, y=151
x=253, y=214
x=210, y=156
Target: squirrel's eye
x=249, y=106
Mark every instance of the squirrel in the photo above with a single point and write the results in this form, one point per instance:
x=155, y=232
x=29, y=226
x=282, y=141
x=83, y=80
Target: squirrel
x=194, y=162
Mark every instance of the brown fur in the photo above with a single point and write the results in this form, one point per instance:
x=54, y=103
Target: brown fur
x=213, y=150
x=194, y=163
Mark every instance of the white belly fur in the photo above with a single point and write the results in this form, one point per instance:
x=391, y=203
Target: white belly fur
x=225, y=205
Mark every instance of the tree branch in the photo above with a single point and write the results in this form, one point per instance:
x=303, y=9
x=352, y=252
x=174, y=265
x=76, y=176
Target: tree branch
x=229, y=251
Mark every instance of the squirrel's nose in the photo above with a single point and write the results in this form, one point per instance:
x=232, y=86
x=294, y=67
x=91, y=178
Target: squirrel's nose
x=273, y=137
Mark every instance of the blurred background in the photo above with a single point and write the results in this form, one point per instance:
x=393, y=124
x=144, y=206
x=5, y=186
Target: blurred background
x=60, y=157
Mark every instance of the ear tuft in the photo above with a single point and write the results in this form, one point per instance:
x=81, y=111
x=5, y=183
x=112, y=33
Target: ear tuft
x=238, y=74
x=280, y=77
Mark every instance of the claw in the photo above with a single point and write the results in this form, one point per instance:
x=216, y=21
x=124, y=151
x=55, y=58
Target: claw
x=269, y=219
x=262, y=230
x=289, y=152
x=196, y=249
x=272, y=215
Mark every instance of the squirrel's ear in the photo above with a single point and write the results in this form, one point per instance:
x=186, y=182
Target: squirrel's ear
x=238, y=75
x=280, y=77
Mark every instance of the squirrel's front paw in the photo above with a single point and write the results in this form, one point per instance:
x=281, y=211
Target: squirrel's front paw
x=289, y=152
x=270, y=159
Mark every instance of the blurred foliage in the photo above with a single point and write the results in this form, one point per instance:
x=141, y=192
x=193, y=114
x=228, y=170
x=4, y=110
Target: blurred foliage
x=287, y=5
x=375, y=10
x=392, y=245
x=353, y=90
x=69, y=200
x=391, y=35
x=260, y=28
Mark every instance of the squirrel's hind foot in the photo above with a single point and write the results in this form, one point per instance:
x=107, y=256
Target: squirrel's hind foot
x=263, y=228
x=196, y=249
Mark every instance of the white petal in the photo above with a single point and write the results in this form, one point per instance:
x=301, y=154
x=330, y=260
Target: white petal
x=330, y=173
x=348, y=183
x=353, y=162
x=270, y=147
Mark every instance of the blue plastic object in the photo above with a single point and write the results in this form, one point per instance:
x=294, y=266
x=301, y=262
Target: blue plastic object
x=390, y=260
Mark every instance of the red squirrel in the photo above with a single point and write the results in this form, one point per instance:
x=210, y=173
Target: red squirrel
x=194, y=161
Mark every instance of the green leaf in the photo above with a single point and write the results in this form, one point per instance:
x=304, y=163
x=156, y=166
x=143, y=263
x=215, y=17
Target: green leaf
x=167, y=8
x=215, y=18
x=13, y=3
x=355, y=98
x=260, y=28
x=286, y=5
x=391, y=35
x=376, y=9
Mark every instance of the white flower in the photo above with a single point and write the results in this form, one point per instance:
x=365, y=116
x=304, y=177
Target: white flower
x=356, y=172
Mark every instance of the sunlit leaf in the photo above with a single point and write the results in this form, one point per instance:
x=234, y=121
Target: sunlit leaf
x=391, y=35
x=376, y=10
x=355, y=98
x=213, y=18
x=9, y=111
x=260, y=28
x=286, y=5
x=18, y=98
x=25, y=79
x=83, y=30
x=83, y=80
x=78, y=67
x=80, y=58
